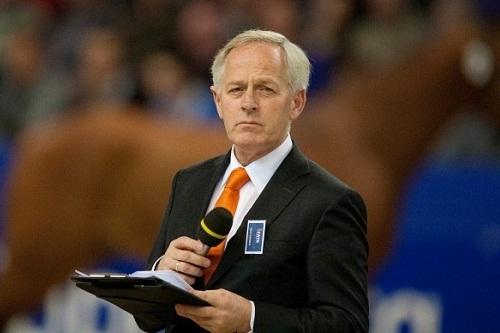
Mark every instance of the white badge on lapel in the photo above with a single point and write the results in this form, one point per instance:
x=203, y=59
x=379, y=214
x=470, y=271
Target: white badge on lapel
x=256, y=230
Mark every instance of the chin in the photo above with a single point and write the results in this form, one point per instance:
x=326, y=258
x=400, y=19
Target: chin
x=247, y=140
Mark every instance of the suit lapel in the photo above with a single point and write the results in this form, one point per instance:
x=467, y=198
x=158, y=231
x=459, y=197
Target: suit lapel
x=201, y=197
x=278, y=193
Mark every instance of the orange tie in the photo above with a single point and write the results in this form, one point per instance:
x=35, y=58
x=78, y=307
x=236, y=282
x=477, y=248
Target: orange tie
x=229, y=200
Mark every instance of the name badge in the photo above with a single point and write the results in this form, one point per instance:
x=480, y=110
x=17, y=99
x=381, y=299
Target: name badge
x=255, y=236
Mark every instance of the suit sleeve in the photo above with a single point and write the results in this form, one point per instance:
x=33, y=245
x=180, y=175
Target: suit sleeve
x=150, y=322
x=160, y=245
x=336, y=273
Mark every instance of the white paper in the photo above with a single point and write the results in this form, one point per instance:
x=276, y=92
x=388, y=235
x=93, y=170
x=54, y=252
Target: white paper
x=166, y=275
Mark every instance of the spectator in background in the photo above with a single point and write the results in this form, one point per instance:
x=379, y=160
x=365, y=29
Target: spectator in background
x=14, y=16
x=103, y=75
x=149, y=27
x=323, y=37
x=199, y=33
x=390, y=30
x=236, y=16
x=71, y=30
x=75, y=21
x=279, y=15
x=170, y=93
x=29, y=91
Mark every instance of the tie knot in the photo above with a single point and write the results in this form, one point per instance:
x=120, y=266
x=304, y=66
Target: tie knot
x=237, y=179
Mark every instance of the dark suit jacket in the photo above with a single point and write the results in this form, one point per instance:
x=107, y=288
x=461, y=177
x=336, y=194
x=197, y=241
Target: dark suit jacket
x=312, y=276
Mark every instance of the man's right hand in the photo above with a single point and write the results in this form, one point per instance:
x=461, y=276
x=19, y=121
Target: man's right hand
x=185, y=256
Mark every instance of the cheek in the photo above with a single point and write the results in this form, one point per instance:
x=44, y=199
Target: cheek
x=282, y=118
x=226, y=108
x=276, y=127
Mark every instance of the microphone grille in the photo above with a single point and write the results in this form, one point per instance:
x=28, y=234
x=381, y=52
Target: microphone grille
x=215, y=226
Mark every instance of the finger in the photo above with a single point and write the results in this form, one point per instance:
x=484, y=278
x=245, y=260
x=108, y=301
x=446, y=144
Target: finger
x=192, y=258
x=185, y=249
x=197, y=262
x=196, y=313
x=186, y=243
x=187, y=268
x=206, y=317
x=177, y=268
x=189, y=279
x=204, y=295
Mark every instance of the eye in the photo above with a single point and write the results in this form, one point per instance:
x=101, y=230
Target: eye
x=235, y=90
x=266, y=89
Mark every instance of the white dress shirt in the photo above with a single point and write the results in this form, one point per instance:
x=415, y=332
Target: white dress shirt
x=260, y=172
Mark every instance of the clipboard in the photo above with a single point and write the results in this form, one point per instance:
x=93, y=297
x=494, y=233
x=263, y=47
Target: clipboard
x=138, y=296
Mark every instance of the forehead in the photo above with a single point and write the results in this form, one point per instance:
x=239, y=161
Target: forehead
x=255, y=58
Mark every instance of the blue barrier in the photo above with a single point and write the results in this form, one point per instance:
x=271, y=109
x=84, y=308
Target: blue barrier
x=445, y=271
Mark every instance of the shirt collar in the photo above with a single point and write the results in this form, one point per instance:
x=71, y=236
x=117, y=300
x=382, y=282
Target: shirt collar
x=261, y=170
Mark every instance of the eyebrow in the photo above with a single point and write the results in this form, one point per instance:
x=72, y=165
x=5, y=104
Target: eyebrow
x=235, y=83
x=266, y=81
x=257, y=81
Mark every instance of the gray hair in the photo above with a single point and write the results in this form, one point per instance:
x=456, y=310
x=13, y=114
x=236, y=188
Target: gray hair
x=297, y=63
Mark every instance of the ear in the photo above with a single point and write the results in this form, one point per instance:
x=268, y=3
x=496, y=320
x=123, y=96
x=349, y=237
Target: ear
x=298, y=103
x=216, y=96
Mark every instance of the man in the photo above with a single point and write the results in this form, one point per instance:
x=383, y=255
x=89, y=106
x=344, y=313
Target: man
x=311, y=273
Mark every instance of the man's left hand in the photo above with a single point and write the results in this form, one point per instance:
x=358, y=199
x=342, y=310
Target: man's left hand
x=228, y=312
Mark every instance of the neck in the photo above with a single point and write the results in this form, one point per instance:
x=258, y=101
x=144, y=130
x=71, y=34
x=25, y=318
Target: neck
x=247, y=157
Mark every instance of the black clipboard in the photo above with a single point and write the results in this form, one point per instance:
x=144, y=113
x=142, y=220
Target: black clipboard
x=138, y=296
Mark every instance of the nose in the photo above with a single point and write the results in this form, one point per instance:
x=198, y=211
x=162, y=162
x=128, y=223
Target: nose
x=248, y=103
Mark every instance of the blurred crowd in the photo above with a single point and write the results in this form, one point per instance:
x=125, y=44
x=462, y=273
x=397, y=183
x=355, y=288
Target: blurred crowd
x=59, y=55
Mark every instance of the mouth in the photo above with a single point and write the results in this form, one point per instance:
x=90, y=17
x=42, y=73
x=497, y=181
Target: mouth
x=248, y=123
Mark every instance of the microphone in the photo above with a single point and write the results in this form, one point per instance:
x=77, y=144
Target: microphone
x=214, y=227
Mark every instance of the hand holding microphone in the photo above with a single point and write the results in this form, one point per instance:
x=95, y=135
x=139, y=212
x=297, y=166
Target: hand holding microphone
x=187, y=256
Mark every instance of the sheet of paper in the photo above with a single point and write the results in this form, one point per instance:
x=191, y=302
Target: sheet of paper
x=165, y=275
